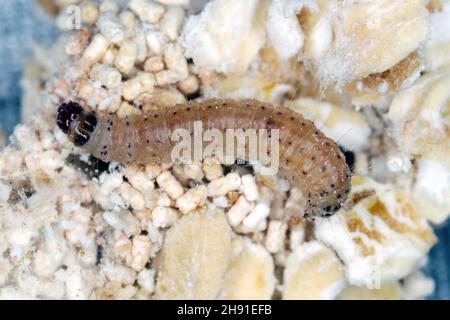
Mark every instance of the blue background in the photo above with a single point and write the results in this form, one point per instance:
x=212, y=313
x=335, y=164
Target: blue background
x=22, y=22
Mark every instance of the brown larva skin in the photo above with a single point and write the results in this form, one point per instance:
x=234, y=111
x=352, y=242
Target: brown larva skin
x=308, y=159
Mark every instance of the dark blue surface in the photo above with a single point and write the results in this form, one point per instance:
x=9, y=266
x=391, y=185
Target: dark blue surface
x=439, y=259
x=21, y=23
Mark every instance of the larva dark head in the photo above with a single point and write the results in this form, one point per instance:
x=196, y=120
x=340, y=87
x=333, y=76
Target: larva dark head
x=76, y=123
x=67, y=114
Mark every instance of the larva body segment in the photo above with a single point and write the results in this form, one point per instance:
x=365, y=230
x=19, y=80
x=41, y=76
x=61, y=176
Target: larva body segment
x=307, y=159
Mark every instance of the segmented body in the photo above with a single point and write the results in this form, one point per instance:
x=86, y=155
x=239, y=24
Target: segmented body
x=308, y=159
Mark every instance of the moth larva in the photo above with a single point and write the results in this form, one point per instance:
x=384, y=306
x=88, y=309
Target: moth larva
x=308, y=159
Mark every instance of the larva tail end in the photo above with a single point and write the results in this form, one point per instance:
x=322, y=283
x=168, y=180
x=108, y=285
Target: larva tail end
x=330, y=210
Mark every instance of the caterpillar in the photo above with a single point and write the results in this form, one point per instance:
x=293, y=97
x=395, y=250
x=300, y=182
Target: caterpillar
x=308, y=159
